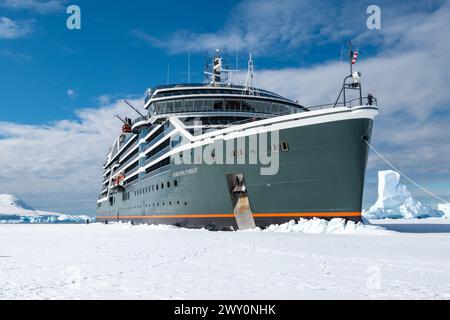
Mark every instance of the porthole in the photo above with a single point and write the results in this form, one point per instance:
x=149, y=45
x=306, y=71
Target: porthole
x=162, y=186
x=168, y=184
x=284, y=146
x=175, y=183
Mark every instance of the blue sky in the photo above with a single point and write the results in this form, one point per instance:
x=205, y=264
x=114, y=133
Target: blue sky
x=59, y=87
x=102, y=58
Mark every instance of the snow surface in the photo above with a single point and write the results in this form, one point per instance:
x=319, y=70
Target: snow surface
x=15, y=210
x=395, y=201
x=322, y=226
x=118, y=261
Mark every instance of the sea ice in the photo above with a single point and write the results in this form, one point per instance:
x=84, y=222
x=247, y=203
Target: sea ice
x=395, y=201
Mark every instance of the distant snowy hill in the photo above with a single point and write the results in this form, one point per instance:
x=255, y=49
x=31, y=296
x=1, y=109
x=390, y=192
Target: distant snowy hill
x=395, y=201
x=15, y=210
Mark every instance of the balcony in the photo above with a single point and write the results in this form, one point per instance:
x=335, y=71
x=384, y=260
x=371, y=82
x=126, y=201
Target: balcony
x=157, y=155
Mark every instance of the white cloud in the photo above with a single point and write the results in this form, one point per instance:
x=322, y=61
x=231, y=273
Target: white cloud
x=10, y=29
x=259, y=26
x=58, y=166
x=34, y=5
x=71, y=94
x=15, y=56
x=273, y=27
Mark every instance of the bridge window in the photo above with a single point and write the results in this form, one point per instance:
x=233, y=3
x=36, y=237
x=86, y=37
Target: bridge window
x=263, y=107
x=189, y=104
x=234, y=105
x=248, y=105
x=218, y=104
x=178, y=105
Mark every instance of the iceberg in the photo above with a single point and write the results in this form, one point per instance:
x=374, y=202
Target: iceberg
x=15, y=210
x=445, y=208
x=396, y=202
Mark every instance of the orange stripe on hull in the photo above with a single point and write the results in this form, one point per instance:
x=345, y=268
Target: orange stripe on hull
x=231, y=215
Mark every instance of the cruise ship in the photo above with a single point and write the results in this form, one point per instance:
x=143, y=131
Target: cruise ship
x=226, y=157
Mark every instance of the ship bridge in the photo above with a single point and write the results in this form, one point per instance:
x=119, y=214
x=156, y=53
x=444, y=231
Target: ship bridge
x=215, y=104
x=203, y=98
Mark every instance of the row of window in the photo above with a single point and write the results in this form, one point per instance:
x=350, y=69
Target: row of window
x=126, y=196
x=160, y=164
x=127, y=148
x=157, y=204
x=155, y=187
x=155, y=134
x=199, y=105
x=160, y=147
x=209, y=91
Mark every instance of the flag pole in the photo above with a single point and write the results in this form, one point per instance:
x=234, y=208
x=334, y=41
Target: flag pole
x=350, y=54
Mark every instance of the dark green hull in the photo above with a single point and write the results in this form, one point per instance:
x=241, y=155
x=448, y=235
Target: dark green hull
x=320, y=175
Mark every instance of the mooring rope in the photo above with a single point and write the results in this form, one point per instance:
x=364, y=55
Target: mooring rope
x=401, y=173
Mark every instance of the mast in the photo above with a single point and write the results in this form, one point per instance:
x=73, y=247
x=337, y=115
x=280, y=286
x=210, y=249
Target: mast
x=129, y=104
x=353, y=80
x=217, y=67
x=350, y=56
x=250, y=79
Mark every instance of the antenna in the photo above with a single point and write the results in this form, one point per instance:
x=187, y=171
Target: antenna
x=342, y=53
x=120, y=119
x=189, y=65
x=237, y=54
x=206, y=71
x=168, y=72
x=135, y=109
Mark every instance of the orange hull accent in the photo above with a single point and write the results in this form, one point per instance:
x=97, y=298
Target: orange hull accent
x=231, y=215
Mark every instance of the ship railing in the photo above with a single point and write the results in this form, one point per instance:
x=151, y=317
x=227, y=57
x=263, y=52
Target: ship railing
x=116, y=157
x=154, y=140
x=132, y=171
x=156, y=155
x=138, y=119
x=368, y=101
x=130, y=147
x=132, y=159
x=153, y=173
